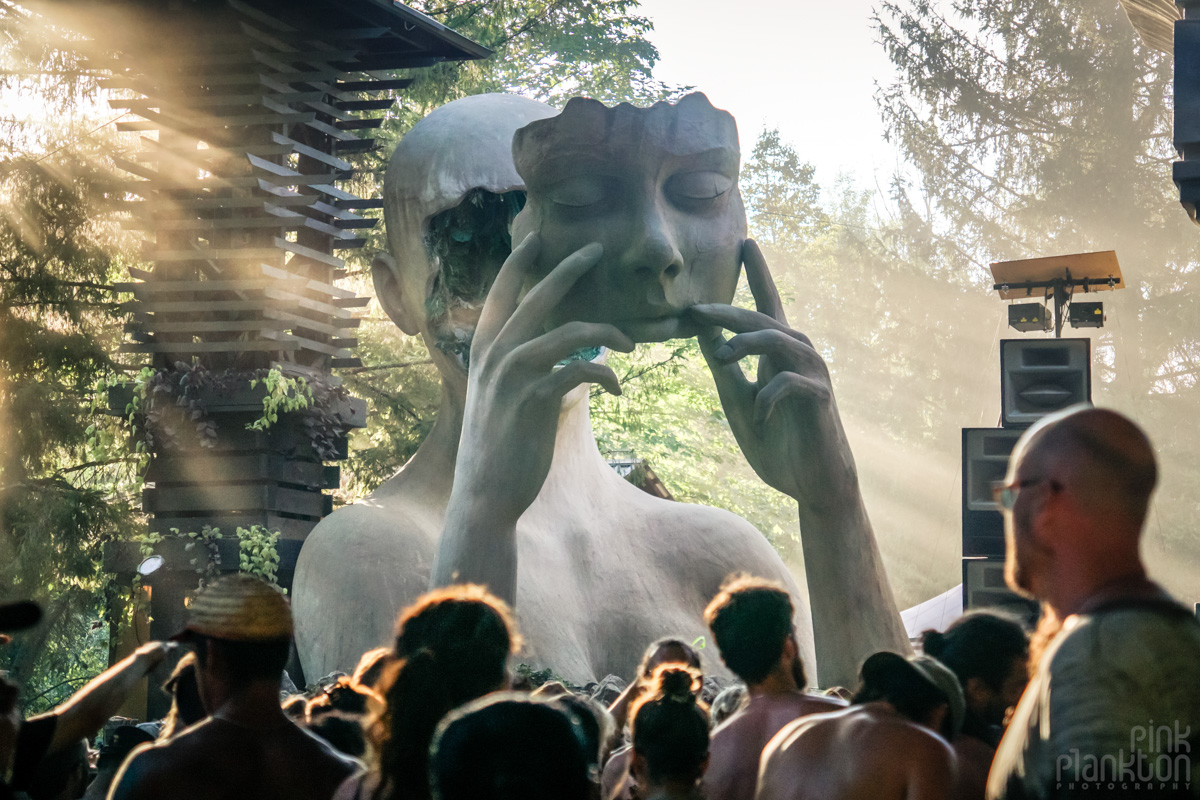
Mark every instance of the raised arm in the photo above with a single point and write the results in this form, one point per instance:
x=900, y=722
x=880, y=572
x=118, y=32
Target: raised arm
x=787, y=423
x=88, y=709
x=514, y=395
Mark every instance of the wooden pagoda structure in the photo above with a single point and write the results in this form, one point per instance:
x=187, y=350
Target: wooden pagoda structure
x=249, y=114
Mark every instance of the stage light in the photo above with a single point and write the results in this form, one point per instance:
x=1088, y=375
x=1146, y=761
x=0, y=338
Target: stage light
x=150, y=565
x=1086, y=315
x=1029, y=317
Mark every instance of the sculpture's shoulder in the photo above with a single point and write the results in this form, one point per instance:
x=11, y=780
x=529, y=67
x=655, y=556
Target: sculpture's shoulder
x=382, y=519
x=704, y=543
x=357, y=569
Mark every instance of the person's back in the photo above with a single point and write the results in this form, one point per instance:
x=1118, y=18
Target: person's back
x=739, y=741
x=241, y=629
x=752, y=621
x=1116, y=688
x=852, y=754
x=220, y=760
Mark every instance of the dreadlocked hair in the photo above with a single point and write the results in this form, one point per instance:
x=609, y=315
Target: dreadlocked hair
x=451, y=647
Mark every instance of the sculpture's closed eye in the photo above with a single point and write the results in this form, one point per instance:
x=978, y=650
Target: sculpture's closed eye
x=579, y=191
x=698, y=186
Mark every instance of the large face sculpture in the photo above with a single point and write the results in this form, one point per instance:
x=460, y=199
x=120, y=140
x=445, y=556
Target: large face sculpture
x=657, y=187
x=450, y=194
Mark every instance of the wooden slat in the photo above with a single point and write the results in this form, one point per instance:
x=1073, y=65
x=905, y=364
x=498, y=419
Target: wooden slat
x=213, y=253
x=307, y=303
x=359, y=124
x=312, y=345
x=373, y=85
x=308, y=252
x=367, y=105
x=208, y=326
x=277, y=274
x=313, y=153
x=211, y=347
x=336, y=327
x=155, y=286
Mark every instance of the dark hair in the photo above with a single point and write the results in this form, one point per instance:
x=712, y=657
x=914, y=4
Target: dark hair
x=593, y=722
x=902, y=686
x=751, y=620
x=186, y=707
x=979, y=645
x=452, y=646
x=370, y=667
x=54, y=772
x=248, y=661
x=341, y=695
x=343, y=731
x=693, y=658
x=508, y=747
x=670, y=728
x=119, y=744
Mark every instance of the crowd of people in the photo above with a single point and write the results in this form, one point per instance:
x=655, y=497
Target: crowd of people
x=1102, y=701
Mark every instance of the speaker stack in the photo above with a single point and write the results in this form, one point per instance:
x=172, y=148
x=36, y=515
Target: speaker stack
x=1037, y=377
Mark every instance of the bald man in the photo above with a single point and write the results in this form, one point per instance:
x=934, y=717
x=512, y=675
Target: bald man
x=1113, y=709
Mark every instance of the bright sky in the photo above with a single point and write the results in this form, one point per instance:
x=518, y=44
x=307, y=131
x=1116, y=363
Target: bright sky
x=805, y=67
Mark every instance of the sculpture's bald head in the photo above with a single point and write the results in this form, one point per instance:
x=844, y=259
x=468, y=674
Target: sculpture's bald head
x=1100, y=455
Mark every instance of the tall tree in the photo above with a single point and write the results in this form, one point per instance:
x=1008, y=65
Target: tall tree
x=1044, y=128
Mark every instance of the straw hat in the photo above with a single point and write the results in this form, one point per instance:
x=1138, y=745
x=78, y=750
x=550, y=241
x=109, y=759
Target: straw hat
x=239, y=608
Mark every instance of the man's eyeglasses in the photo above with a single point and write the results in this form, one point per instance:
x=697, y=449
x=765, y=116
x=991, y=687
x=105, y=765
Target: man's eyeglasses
x=1005, y=494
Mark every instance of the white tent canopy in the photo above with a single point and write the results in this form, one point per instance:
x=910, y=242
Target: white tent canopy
x=936, y=613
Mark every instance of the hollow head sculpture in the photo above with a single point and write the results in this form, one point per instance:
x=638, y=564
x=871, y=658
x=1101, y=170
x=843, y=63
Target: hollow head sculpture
x=598, y=567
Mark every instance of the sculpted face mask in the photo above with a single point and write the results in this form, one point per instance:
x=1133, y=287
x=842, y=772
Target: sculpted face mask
x=657, y=187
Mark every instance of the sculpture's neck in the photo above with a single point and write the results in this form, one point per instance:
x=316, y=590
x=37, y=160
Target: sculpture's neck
x=577, y=463
x=576, y=457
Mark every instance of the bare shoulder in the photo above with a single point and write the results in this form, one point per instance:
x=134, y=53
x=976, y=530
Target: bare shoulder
x=157, y=769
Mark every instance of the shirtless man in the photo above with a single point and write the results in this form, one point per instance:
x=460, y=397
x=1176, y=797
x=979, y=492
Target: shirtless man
x=241, y=629
x=888, y=746
x=751, y=621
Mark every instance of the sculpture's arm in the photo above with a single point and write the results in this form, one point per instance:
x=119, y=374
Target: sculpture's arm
x=787, y=424
x=514, y=395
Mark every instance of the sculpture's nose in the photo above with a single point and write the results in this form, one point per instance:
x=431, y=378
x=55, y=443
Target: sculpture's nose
x=652, y=254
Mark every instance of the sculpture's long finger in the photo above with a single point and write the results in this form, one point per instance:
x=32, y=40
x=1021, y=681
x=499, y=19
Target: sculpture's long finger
x=533, y=310
x=783, y=386
x=736, y=392
x=785, y=352
x=552, y=347
x=762, y=285
x=740, y=320
x=506, y=289
x=557, y=384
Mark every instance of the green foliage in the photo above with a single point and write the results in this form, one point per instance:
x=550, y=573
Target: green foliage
x=259, y=553
x=283, y=395
x=67, y=485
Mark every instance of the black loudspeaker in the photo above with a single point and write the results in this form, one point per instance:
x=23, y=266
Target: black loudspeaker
x=984, y=587
x=985, y=453
x=1041, y=376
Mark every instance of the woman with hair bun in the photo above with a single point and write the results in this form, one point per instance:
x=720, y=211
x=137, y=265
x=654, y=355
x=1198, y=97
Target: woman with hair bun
x=670, y=736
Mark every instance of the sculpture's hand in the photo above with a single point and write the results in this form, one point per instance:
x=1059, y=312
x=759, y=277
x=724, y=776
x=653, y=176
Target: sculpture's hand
x=785, y=421
x=515, y=388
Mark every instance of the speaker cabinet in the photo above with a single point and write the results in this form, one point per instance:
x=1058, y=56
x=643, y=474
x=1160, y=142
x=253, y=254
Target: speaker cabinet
x=984, y=587
x=985, y=453
x=1041, y=376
